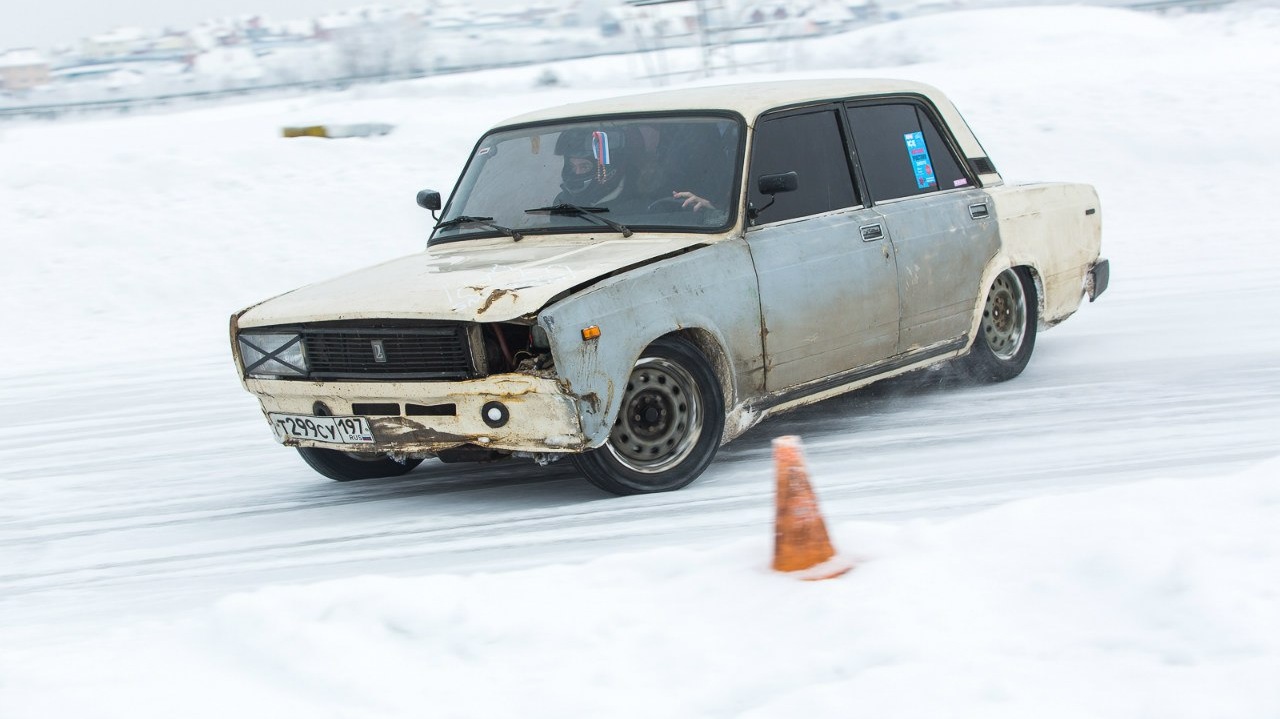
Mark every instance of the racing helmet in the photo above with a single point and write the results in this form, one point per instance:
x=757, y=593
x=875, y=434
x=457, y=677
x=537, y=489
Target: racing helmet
x=603, y=148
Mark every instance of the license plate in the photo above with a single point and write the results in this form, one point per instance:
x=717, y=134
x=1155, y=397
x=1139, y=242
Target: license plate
x=334, y=430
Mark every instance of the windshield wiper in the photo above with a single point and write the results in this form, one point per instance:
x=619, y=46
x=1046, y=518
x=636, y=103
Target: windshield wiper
x=482, y=222
x=565, y=208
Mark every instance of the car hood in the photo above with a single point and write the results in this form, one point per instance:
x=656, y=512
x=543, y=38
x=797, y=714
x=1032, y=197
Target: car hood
x=476, y=280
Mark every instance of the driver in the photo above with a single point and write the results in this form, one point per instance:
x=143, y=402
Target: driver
x=594, y=171
x=606, y=168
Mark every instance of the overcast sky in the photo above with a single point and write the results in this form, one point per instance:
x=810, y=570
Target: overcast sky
x=45, y=23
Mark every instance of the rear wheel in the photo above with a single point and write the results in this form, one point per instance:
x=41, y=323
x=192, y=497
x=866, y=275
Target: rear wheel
x=349, y=466
x=1007, y=332
x=669, y=427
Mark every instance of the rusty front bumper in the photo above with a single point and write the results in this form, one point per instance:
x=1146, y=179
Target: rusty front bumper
x=426, y=417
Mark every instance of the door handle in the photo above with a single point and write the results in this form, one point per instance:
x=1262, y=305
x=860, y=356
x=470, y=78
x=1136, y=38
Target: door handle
x=871, y=232
x=979, y=211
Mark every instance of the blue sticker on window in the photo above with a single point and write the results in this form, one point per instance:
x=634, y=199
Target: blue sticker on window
x=920, y=162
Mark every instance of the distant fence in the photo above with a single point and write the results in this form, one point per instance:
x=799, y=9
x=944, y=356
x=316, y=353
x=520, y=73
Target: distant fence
x=128, y=104
x=1166, y=5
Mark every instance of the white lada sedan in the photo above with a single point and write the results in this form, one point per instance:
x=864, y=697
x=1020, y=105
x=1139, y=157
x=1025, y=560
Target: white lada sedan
x=632, y=282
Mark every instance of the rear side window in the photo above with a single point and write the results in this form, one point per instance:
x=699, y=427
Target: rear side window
x=812, y=146
x=902, y=152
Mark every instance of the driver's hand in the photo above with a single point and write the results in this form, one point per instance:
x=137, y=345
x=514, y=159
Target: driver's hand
x=692, y=201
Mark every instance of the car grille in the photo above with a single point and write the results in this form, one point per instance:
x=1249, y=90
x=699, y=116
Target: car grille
x=439, y=351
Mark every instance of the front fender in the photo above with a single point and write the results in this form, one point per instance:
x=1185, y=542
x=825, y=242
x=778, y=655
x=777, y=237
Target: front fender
x=712, y=289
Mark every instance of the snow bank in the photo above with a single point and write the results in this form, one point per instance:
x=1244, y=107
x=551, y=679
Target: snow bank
x=1155, y=599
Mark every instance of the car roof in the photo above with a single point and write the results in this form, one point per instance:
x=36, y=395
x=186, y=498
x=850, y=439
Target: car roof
x=747, y=99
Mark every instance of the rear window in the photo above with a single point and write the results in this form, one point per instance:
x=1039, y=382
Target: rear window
x=901, y=151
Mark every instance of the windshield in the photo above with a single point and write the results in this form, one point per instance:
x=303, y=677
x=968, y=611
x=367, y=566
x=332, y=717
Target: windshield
x=675, y=173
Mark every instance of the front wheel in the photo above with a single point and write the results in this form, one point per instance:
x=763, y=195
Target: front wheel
x=349, y=466
x=1007, y=332
x=668, y=428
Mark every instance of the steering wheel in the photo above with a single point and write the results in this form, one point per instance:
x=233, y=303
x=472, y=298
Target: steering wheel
x=666, y=204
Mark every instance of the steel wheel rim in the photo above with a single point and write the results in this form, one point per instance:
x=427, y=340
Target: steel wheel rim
x=661, y=417
x=1004, y=318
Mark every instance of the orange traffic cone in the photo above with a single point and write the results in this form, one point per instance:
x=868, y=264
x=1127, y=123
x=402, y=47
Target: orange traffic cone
x=801, y=543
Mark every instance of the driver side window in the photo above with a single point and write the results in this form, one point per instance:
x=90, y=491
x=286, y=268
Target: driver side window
x=812, y=145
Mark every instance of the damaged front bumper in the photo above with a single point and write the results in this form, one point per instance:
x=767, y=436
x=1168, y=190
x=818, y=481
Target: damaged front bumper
x=509, y=412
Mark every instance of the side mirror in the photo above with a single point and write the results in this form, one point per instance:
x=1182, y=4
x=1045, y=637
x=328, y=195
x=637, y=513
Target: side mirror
x=430, y=200
x=771, y=185
x=781, y=182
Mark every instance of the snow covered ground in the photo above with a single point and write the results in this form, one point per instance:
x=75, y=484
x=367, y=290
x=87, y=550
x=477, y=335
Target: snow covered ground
x=1095, y=538
x=1155, y=599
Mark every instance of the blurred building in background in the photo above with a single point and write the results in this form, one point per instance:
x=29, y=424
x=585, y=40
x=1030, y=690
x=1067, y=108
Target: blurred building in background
x=23, y=69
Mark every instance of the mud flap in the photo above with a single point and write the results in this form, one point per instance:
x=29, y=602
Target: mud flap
x=1099, y=278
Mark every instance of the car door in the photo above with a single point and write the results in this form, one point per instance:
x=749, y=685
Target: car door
x=826, y=271
x=937, y=218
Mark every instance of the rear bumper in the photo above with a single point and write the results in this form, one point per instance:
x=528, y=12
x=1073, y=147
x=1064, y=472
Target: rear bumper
x=423, y=418
x=1097, y=279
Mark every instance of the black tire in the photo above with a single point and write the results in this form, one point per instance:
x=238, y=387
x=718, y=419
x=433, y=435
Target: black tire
x=350, y=466
x=1007, y=331
x=669, y=427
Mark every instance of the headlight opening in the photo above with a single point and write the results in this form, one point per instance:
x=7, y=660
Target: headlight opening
x=273, y=354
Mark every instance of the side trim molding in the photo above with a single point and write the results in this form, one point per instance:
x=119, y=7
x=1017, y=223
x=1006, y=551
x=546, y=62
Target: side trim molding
x=855, y=375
